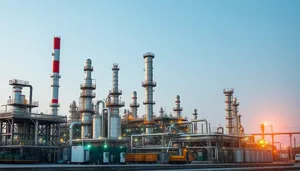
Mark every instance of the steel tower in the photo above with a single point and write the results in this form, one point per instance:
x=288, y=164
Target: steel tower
x=134, y=104
x=177, y=109
x=55, y=76
x=114, y=103
x=228, y=104
x=148, y=84
x=86, y=97
x=235, y=111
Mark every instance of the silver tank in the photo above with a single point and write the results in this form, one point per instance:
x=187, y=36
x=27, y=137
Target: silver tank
x=257, y=156
x=261, y=156
x=238, y=155
x=97, y=125
x=247, y=155
x=253, y=155
x=228, y=154
x=115, y=127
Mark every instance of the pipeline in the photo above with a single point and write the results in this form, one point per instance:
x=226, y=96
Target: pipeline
x=221, y=129
x=71, y=131
x=97, y=112
x=203, y=120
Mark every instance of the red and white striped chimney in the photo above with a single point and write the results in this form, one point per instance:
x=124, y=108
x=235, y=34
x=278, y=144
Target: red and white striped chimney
x=55, y=76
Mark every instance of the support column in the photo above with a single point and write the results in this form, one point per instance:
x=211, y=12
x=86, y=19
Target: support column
x=12, y=132
x=273, y=147
x=36, y=130
x=291, y=148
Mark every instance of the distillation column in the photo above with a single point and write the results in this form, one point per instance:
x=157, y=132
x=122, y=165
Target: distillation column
x=228, y=103
x=114, y=103
x=195, y=119
x=74, y=112
x=86, y=97
x=235, y=111
x=55, y=76
x=148, y=84
x=134, y=105
x=177, y=109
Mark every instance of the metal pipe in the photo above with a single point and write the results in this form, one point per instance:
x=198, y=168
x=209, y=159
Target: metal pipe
x=202, y=128
x=149, y=84
x=101, y=115
x=279, y=147
x=30, y=97
x=206, y=124
x=291, y=155
x=36, y=132
x=221, y=129
x=71, y=131
x=209, y=127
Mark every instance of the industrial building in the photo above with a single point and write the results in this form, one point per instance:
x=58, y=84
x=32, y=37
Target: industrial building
x=97, y=134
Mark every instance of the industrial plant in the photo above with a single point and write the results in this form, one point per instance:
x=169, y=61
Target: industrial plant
x=95, y=132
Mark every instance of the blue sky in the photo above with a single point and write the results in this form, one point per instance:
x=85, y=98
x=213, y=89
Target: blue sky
x=201, y=47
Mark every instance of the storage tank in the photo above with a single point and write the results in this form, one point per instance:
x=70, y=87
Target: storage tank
x=257, y=156
x=253, y=156
x=115, y=127
x=163, y=157
x=238, y=155
x=105, y=157
x=228, y=154
x=247, y=154
x=97, y=125
x=261, y=156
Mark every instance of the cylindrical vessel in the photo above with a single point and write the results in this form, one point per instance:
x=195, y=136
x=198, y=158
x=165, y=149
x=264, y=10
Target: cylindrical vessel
x=248, y=156
x=149, y=84
x=253, y=155
x=115, y=127
x=97, y=125
x=228, y=108
x=228, y=153
x=238, y=156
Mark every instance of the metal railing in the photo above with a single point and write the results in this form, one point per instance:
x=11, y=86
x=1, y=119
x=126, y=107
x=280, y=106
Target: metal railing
x=145, y=102
x=16, y=81
x=115, y=91
x=149, y=83
x=134, y=104
x=25, y=102
x=111, y=103
x=85, y=94
x=84, y=85
x=34, y=115
x=88, y=67
x=177, y=109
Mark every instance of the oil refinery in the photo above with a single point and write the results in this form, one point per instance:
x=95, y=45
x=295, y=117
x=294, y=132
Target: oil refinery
x=95, y=132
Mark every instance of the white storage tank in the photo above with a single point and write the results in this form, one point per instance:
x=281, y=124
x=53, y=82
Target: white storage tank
x=115, y=127
x=105, y=157
x=238, y=155
x=97, y=125
x=122, y=158
x=253, y=156
x=79, y=154
x=247, y=154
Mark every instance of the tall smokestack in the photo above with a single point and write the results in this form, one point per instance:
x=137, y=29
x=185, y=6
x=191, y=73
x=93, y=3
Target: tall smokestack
x=195, y=119
x=114, y=103
x=149, y=84
x=177, y=109
x=86, y=97
x=55, y=76
x=134, y=105
x=228, y=103
x=235, y=111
